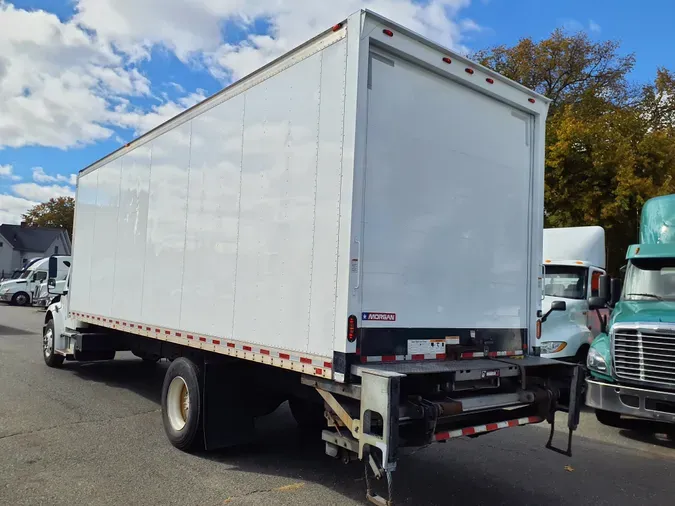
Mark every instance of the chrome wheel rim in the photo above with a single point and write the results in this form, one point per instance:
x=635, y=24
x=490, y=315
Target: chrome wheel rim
x=21, y=300
x=48, y=342
x=178, y=403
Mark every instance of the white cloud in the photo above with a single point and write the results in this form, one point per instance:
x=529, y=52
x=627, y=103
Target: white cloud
x=40, y=176
x=57, y=81
x=574, y=25
x=7, y=172
x=67, y=83
x=40, y=193
x=193, y=29
x=11, y=208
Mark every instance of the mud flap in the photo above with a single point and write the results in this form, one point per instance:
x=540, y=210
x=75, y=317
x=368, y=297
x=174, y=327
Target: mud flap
x=227, y=406
x=573, y=413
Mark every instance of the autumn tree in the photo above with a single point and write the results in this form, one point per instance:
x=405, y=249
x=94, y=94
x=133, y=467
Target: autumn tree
x=610, y=145
x=57, y=213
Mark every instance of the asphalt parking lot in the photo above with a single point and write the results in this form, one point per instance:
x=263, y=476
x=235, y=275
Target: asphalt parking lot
x=92, y=434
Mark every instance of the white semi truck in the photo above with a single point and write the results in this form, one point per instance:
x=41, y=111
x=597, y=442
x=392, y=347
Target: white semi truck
x=21, y=290
x=355, y=228
x=574, y=261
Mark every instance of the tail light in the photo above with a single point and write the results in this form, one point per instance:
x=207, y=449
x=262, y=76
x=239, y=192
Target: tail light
x=538, y=329
x=351, y=329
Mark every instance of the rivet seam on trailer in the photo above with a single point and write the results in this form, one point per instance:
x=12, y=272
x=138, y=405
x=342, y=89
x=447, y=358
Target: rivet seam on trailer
x=479, y=429
x=316, y=366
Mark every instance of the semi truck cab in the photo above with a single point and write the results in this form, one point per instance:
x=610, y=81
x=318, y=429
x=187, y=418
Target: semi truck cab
x=632, y=365
x=20, y=291
x=574, y=261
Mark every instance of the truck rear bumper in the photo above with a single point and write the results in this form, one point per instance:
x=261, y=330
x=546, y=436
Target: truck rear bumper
x=631, y=401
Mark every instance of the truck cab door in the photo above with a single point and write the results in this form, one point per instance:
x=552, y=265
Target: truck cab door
x=593, y=317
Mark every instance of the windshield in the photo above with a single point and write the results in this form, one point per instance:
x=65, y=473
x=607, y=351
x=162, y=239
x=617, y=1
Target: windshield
x=650, y=278
x=565, y=281
x=25, y=274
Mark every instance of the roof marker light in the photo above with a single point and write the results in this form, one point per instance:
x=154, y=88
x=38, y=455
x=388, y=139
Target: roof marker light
x=388, y=32
x=337, y=27
x=447, y=60
x=490, y=80
x=468, y=71
x=531, y=100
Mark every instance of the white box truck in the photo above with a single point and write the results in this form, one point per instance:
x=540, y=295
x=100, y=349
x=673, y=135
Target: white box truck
x=574, y=261
x=355, y=228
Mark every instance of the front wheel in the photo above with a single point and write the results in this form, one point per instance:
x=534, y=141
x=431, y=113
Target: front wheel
x=52, y=359
x=20, y=299
x=181, y=405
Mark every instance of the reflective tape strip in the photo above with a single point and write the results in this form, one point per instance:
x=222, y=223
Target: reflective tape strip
x=402, y=358
x=491, y=354
x=317, y=366
x=490, y=427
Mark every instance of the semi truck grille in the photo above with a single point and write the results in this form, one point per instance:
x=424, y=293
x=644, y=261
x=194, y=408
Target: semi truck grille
x=645, y=355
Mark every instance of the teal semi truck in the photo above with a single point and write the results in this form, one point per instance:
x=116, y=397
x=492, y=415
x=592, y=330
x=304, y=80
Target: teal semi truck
x=632, y=362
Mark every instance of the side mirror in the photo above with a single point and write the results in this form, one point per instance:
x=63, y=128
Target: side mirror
x=596, y=303
x=604, y=289
x=556, y=305
x=53, y=267
x=615, y=291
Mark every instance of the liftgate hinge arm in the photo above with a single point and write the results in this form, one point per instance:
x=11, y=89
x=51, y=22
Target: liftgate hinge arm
x=354, y=426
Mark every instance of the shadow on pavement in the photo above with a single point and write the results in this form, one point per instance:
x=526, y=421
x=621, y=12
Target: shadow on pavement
x=13, y=331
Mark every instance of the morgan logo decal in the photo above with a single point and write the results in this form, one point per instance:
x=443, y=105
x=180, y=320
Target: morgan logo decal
x=381, y=317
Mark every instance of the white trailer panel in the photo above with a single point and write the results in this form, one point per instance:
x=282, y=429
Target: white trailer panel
x=448, y=195
x=361, y=173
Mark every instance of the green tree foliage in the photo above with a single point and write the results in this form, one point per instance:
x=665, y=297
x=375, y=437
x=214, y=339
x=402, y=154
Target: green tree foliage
x=610, y=145
x=57, y=212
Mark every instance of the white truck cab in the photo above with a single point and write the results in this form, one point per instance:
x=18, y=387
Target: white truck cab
x=20, y=291
x=574, y=260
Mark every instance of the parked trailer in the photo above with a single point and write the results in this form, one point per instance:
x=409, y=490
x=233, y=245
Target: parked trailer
x=355, y=227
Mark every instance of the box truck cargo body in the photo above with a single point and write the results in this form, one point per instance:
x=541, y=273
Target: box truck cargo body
x=366, y=210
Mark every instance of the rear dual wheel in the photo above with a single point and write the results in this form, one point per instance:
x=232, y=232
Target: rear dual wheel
x=181, y=405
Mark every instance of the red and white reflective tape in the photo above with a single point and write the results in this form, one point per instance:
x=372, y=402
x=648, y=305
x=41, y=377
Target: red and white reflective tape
x=402, y=358
x=491, y=354
x=479, y=429
x=315, y=366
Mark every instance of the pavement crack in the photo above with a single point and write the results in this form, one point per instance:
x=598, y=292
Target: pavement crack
x=286, y=488
x=79, y=422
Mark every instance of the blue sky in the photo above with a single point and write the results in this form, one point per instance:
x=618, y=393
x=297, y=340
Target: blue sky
x=80, y=77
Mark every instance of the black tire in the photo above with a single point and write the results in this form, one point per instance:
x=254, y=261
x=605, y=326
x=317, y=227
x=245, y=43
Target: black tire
x=308, y=415
x=21, y=299
x=51, y=359
x=189, y=436
x=608, y=418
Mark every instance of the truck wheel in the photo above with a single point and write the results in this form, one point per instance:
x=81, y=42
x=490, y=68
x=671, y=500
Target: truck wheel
x=20, y=299
x=308, y=415
x=608, y=418
x=181, y=405
x=52, y=359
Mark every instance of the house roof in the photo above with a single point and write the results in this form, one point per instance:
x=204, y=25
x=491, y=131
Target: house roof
x=33, y=238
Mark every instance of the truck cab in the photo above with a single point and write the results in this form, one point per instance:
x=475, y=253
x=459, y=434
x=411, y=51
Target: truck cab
x=20, y=291
x=574, y=261
x=632, y=365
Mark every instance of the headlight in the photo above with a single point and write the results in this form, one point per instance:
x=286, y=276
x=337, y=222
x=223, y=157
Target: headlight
x=553, y=346
x=596, y=361
x=3, y=291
